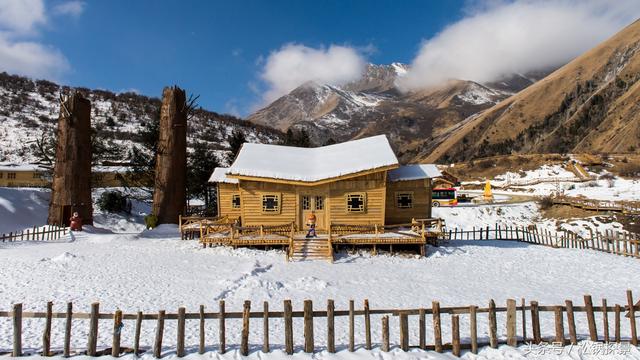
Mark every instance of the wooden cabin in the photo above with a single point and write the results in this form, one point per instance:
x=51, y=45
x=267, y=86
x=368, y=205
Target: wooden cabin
x=33, y=175
x=359, y=182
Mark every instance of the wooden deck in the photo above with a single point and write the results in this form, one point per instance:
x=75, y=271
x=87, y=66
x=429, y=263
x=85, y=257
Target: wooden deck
x=420, y=232
x=624, y=207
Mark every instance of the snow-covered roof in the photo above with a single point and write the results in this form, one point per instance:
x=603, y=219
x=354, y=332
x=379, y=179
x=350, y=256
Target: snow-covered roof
x=20, y=167
x=414, y=172
x=313, y=164
x=220, y=176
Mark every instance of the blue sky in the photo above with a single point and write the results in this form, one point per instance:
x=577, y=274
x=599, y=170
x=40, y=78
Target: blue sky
x=238, y=55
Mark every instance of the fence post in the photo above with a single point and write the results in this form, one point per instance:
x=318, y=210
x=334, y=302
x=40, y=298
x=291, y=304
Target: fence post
x=93, y=329
x=288, y=327
x=117, y=327
x=17, y=330
x=632, y=318
x=201, y=344
x=535, y=322
x=437, y=332
x=473, y=328
x=605, y=320
x=512, y=340
x=455, y=335
x=331, y=335
x=265, y=327
x=221, y=331
x=244, y=343
x=66, y=352
x=308, y=326
x=617, y=323
x=524, y=319
x=422, y=328
x=385, y=333
x=593, y=332
x=559, y=325
x=46, y=335
x=180, y=332
x=493, y=326
x=157, y=346
x=367, y=325
x=136, y=336
x=571, y=321
x=404, y=331
x=351, y=326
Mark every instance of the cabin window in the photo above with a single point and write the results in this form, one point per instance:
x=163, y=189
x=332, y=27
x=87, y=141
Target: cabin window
x=404, y=200
x=1, y=175
x=235, y=201
x=11, y=175
x=270, y=203
x=319, y=202
x=36, y=175
x=355, y=202
x=306, y=202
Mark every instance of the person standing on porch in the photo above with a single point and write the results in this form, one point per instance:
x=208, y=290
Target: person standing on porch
x=311, y=223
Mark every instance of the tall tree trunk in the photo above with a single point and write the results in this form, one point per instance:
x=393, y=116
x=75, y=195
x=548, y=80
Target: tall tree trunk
x=169, y=196
x=71, y=187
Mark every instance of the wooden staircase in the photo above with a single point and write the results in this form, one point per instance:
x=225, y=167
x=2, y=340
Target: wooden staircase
x=317, y=248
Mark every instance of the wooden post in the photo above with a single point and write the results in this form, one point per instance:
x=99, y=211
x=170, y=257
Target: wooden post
x=605, y=320
x=385, y=333
x=367, y=325
x=244, y=343
x=46, y=336
x=559, y=325
x=17, y=330
x=455, y=335
x=136, y=336
x=617, y=323
x=221, y=332
x=265, y=327
x=351, y=327
x=66, y=352
x=117, y=327
x=437, y=327
x=632, y=318
x=331, y=335
x=201, y=344
x=571, y=321
x=180, y=332
x=512, y=339
x=93, y=329
x=157, y=345
x=308, y=326
x=404, y=331
x=422, y=328
x=288, y=327
x=535, y=322
x=593, y=332
x=473, y=327
x=493, y=326
x=524, y=319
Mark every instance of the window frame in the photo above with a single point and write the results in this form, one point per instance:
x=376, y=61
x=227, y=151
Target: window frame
x=277, y=198
x=233, y=201
x=306, y=202
x=316, y=202
x=11, y=175
x=402, y=193
x=361, y=195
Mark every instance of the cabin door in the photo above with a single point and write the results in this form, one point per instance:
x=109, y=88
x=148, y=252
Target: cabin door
x=315, y=203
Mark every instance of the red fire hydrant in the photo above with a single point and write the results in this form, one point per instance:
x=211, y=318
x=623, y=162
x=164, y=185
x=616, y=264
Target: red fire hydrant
x=76, y=222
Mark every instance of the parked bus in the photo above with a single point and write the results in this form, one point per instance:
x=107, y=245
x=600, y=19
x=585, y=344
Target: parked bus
x=444, y=197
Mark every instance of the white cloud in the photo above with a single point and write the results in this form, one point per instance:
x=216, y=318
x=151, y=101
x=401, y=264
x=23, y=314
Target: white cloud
x=294, y=64
x=21, y=52
x=501, y=38
x=72, y=8
x=21, y=16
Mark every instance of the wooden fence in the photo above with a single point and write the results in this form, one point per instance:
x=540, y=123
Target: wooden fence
x=528, y=331
x=45, y=233
x=625, y=207
x=618, y=243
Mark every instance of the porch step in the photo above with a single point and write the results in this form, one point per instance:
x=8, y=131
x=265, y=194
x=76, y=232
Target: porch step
x=311, y=249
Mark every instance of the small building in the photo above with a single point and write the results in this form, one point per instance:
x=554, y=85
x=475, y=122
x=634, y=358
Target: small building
x=358, y=182
x=34, y=175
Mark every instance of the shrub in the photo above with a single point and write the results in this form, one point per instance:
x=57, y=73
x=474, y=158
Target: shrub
x=151, y=221
x=607, y=176
x=545, y=202
x=629, y=170
x=113, y=201
x=485, y=164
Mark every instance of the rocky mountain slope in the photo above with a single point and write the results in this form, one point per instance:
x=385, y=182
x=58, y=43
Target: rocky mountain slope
x=589, y=105
x=29, y=110
x=372, y=105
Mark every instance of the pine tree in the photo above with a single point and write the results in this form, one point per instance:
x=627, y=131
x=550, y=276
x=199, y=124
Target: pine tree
x=143, y=158
x=201, y=163
x=235, y=143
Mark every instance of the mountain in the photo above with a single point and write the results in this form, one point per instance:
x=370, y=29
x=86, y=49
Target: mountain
x=589, y=105
x=372, y=105
x=29, y=110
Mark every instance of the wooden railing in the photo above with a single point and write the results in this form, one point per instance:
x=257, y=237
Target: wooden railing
x=190, y=225
x=43, y=233
x=629, y=207
x=524, y=325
